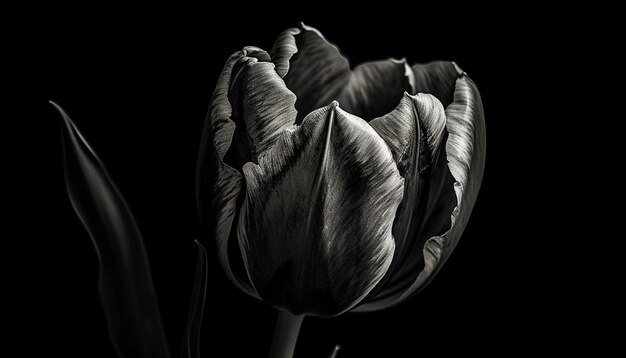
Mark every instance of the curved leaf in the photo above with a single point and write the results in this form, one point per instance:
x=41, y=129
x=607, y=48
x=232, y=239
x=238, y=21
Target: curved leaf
x=125, y=283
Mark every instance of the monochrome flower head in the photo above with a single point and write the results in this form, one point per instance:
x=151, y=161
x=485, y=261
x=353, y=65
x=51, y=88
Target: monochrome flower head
x=329, y=188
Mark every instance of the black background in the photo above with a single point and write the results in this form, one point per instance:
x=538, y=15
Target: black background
x=138, y=85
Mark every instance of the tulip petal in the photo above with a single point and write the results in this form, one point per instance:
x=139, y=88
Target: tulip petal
x=316, y=71
x=315, y=227
x=125, y=283
x=262, y=106
x=399, y=129
x=437, y=78
x=414, y=132
x=218, y=184
x=283, y=49
x=465, y=149
x=374, y=88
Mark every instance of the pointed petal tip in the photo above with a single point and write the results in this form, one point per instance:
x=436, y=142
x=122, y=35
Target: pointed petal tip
x=304, y=27
x=458, y=69
x=425, y=96
x=397, y=60
x=420, y=97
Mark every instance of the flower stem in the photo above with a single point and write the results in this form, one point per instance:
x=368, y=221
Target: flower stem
x=333, y=354
x=285, y=335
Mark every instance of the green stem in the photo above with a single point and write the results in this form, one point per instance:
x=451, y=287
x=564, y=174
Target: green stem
x=285, y=335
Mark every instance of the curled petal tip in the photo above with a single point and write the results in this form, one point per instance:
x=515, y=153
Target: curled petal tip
x=398, y=60
x=306, y=27
x=255, y=53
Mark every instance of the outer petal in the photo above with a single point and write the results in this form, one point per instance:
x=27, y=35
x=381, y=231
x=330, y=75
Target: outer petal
x=262, y=107
x=465, y=148
x=250, y=105
x=218, y=184
x=414, y=132
x=315, y=227
x=317, y=72
x=437, y=78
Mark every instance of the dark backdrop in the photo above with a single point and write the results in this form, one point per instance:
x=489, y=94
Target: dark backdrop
x=138, y=86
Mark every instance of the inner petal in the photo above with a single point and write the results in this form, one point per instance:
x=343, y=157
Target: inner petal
x=437, y=78
x=317, y=73
x=375, y=88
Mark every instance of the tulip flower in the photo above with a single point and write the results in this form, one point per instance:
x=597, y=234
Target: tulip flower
x=330, y=189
